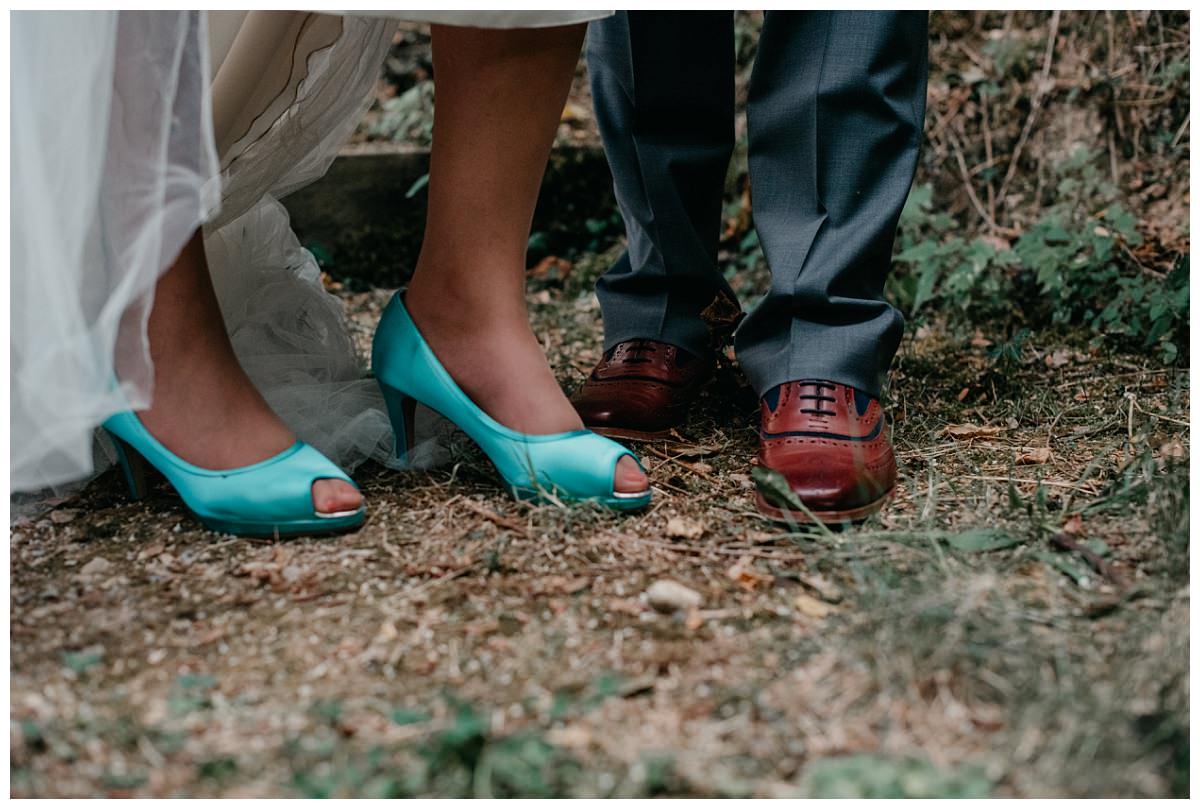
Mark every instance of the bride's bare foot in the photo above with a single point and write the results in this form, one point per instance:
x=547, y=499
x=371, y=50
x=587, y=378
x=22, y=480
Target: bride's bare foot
x=496, y=359
x=204, y=407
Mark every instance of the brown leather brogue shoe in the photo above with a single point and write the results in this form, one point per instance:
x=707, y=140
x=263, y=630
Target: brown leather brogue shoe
x=833, y=445
x=641, y=390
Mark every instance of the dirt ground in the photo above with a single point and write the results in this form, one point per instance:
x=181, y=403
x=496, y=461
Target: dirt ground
x=1015, y=623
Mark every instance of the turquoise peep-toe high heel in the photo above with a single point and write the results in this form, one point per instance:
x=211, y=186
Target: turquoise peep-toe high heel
x=571, y=467
x=268, y=498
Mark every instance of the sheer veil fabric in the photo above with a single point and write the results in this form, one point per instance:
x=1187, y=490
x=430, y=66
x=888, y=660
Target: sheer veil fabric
x=129, y=131
x=287, y=93
x=113, y=168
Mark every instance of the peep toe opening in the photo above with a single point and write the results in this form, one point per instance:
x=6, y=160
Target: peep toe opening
x=630, y=495
x=337, y=515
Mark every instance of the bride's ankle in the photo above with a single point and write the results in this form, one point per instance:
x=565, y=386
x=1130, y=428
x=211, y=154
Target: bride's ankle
x=454, y=295
x=451, y=312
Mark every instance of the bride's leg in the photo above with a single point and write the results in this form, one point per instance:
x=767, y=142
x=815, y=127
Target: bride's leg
x=204, y=407
x=499, y=98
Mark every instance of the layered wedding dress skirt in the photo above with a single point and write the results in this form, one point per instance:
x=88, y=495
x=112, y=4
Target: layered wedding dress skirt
x=129, y=131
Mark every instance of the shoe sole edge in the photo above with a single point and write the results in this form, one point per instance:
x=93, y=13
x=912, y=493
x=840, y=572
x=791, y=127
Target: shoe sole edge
x=315, y=527
x=632, y=435
x=854, y=515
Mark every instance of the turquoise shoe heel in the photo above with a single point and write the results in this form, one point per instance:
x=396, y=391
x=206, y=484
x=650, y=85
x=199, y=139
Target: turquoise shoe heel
x=271, y=498
x=402, y=412
x=573, y=466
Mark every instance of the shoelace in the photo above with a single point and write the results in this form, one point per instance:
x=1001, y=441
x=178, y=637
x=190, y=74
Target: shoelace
x=818, y=398
x=637, y=351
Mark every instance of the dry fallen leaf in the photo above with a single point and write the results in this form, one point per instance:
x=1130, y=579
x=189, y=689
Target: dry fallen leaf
x=827, y=590
x=625, y=606
x=150, y=551
x=761, y=536
x=1073, y=526
x=812, y=607
x=559, y=585
x=744, y=573
x=1034, y=455
x=1059, y=358
x=684, y=528
x=574, y=736
x=964, y=432
x=999, y=242
x=551, y=268
x=1173, y=449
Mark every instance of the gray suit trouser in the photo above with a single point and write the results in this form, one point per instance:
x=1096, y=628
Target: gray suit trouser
x=835, y=114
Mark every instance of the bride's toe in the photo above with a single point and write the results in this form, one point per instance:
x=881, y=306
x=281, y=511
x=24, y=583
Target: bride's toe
x=629, y=477
x=331, y=496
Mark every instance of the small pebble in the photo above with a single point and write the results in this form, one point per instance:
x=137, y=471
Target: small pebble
x=96, y=567
x=668, y=596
